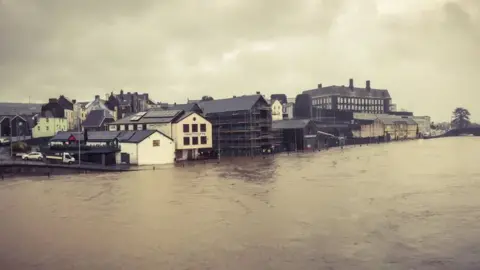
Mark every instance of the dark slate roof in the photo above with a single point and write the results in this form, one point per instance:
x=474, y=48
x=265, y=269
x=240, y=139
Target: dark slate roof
x=345, y=91
x=151, y=117
x=137, y=136
x=290, y=124
x=96, y=118
x=63, y=136
x=185, y=107
x=241, y=103
x=20, y=108
x=65, y=103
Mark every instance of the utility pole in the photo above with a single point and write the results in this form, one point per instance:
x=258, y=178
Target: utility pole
x=79, y=134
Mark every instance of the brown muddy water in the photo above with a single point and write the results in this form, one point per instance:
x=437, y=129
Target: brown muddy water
x=409, y=205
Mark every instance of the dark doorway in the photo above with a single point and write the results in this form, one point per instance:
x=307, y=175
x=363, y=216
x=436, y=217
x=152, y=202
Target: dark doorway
x=125, y=158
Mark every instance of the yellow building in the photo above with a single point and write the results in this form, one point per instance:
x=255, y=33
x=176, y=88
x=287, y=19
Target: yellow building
x=191, y=133
x=48, y=127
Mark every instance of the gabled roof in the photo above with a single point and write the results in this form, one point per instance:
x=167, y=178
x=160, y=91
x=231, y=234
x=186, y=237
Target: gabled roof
x=345, y=91
x=187, y=114
x=96, y=118
x=242, y=103
x=108, y=136
x=186, y=107
x=291, y=124
x=150, y=117
x=65, y=102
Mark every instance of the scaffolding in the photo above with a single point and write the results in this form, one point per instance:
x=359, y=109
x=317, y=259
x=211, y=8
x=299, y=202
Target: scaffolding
x=243, y=133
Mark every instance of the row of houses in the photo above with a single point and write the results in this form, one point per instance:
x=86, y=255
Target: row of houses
x=241, y=125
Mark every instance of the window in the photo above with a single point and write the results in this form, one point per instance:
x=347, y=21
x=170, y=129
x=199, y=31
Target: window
x=186, y=128
x=156, y=143
x=203, y=127
x=195, y=140
x=186, y=140
x=48, y=128
x=47, y=120
x=194, y=127
x=203, y=140
x=38, y=128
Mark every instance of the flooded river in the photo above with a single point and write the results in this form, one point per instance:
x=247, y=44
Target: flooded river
x=408, y=205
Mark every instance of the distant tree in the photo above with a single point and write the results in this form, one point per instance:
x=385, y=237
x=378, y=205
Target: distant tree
x=207, y=98
x=461, y=118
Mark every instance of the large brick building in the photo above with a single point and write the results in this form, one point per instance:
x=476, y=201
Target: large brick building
x=350, y=98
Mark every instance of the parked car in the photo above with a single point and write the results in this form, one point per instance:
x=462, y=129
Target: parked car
x=33, y=156
x=4, y=141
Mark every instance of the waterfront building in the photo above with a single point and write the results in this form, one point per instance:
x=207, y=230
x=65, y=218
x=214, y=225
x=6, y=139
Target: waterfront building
x=297, y=134
x=141, y=147
x=49, y=126
x=15, y=126
x=350, y=98
x=190, y=131
x=424, y=124
x=241, y=125
x=393, y=127
x=145, y=147
x=97, y=120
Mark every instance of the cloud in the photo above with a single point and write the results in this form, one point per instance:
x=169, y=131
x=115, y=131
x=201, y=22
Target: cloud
x=186, y=49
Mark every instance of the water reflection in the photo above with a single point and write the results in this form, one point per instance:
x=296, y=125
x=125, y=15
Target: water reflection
x=412, y=205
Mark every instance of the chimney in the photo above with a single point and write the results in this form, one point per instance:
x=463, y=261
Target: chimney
x=74, y=101
x=234, y=96
x=136, y=93
x=320, y=86
x=350, y=84
x=52, y=100
x=258, y=92
x=97, y=97
x=121, y=92
x=368, y=86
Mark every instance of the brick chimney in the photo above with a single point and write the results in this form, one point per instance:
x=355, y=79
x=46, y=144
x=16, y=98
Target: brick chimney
x=368, y=86
x=350, y=84
x=97, y=97
x=320, y=86
x=74, y=101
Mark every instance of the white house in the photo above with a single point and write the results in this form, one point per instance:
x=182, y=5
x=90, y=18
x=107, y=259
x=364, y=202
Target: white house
x=145, y=147
x=277, y=110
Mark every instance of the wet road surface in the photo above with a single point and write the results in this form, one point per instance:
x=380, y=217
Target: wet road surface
x=409, y=205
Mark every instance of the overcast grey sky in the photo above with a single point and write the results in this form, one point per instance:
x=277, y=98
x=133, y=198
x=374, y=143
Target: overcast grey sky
x=426, y=52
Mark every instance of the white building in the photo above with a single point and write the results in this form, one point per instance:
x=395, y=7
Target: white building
x=145, y=147
x=191, y=132
x=277, y=110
